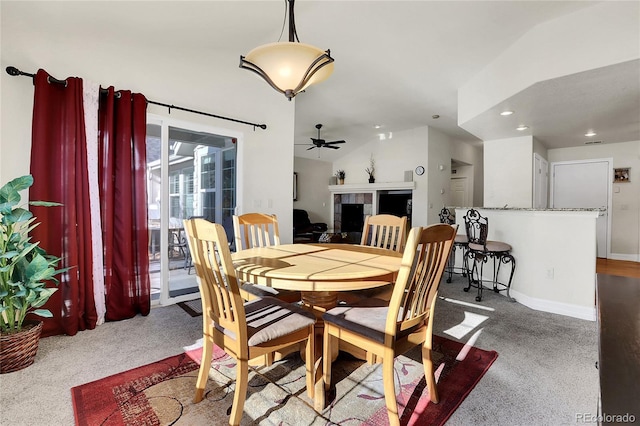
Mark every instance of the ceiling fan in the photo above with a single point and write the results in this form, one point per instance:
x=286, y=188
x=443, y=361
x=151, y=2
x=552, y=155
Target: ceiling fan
x=321, y=143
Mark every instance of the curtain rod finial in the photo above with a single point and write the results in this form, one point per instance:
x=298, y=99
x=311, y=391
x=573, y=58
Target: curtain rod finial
x=13, y=71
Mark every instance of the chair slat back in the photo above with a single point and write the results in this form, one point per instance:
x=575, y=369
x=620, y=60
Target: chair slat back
x=221, y=301
x=256, y=230
x=385, y=231
x=476, y=226
x=423, y=263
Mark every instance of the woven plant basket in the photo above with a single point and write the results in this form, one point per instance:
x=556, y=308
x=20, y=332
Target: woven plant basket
x=18, y=350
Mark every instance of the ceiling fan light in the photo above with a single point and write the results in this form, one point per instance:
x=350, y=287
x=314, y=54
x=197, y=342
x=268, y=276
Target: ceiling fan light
x=289, y=67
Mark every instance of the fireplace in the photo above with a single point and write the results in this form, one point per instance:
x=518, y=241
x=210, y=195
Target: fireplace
x=352, y=217
x=349, y=213
x=374, y=198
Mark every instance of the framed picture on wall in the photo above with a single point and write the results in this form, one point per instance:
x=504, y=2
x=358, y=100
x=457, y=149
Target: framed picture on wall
x=295, y=186
x=621, y=175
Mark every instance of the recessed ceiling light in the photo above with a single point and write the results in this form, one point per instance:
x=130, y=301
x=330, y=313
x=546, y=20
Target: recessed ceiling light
x=590, y=133
x=377, y=126
x=522, y=127
x=507, y=112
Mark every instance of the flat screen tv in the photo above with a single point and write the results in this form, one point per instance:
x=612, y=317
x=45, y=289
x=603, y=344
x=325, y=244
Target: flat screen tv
x=395, y=204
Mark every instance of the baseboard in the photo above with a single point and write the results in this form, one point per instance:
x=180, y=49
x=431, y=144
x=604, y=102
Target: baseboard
x=575, y=311
x=627, y=257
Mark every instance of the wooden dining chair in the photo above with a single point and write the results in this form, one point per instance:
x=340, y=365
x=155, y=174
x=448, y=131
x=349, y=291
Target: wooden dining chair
x=259, y=230
x=243, y=330
x=386, y=231
x=387, y=331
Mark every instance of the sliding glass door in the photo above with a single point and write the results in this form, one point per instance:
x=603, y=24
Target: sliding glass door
x=191, y=172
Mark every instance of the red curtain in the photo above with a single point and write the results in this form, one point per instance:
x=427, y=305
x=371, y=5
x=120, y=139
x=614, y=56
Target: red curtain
x=123, y=199
x=59, y=169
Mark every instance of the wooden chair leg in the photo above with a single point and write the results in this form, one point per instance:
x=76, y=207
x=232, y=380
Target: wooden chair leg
x=389, y=387
x=427, y=364
x=240, y=394
x=310, y=355
x=326, y=357
x=205, y=366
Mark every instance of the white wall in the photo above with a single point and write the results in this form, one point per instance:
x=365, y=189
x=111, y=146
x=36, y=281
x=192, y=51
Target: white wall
x=439, y=180
x=508, y=172
x=179, y=75
x=313, y=191
x=553, y=273
x=405, y=151
x=625, y=215
x=539, y=148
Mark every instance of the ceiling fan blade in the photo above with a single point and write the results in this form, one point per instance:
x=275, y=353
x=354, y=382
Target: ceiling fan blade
x=311, y=148
x=334, y=142
x=332, y=147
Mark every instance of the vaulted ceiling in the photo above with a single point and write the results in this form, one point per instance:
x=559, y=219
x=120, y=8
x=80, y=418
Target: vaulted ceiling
x=397, y=63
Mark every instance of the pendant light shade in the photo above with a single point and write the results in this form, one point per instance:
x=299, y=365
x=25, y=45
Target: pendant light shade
x=289, y=67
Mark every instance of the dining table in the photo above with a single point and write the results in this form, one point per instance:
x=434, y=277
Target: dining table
x=320, y=272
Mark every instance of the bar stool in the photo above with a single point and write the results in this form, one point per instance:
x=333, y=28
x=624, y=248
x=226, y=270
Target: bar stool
x=460, y=242
x=480, y=251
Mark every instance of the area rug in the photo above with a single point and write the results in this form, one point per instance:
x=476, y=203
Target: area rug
x=161, y=393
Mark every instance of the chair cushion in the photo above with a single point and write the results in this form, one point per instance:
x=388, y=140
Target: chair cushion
x=461, y=239
x=259, y=290
x=492, y=246
x=269, y=318
x=368, y=319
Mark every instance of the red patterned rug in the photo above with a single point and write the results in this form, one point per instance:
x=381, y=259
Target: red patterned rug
x=161, y=393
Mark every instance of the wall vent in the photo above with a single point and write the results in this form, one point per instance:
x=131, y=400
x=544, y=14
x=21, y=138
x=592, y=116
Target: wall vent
x=592, y=142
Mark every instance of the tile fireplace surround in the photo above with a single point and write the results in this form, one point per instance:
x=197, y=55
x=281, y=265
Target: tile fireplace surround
x=366, y=199
x=365, y=194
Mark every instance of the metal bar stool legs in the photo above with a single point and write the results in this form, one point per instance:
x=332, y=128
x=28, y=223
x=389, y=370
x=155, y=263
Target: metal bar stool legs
x=477, y=259
x=451, y=268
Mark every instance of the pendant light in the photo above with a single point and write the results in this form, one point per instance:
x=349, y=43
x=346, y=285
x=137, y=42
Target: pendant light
x=289, y=67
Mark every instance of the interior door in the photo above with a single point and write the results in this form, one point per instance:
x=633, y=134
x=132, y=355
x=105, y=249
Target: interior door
x=458, y=188
x=585, y=184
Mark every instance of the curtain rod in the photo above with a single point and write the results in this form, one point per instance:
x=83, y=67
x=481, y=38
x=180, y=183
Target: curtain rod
x=16, y=72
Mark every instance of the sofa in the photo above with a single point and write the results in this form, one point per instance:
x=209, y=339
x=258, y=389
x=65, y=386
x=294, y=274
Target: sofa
x=304, y=231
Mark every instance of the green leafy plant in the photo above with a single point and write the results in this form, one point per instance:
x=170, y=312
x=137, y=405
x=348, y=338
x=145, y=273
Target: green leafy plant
x=340, y=174
x=25, y=268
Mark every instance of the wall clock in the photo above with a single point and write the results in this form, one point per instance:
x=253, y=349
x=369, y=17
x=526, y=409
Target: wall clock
x=419, y=170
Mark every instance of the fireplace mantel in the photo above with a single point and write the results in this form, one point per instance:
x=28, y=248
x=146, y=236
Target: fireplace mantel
x=371, y=187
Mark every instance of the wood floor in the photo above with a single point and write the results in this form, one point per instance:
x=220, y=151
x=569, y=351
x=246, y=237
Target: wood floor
x=621, y=268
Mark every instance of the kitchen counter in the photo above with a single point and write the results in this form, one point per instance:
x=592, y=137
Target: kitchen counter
x=528, y=209
x=555, y=254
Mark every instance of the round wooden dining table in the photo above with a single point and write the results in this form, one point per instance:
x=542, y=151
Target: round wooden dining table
x=319, y=272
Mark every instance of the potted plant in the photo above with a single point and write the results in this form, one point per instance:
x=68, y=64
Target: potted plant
x=25, y=269
x=340, y=175
x=371, y=169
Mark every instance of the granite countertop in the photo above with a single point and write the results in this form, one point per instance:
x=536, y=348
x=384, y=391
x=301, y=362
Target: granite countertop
x=529, y=209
